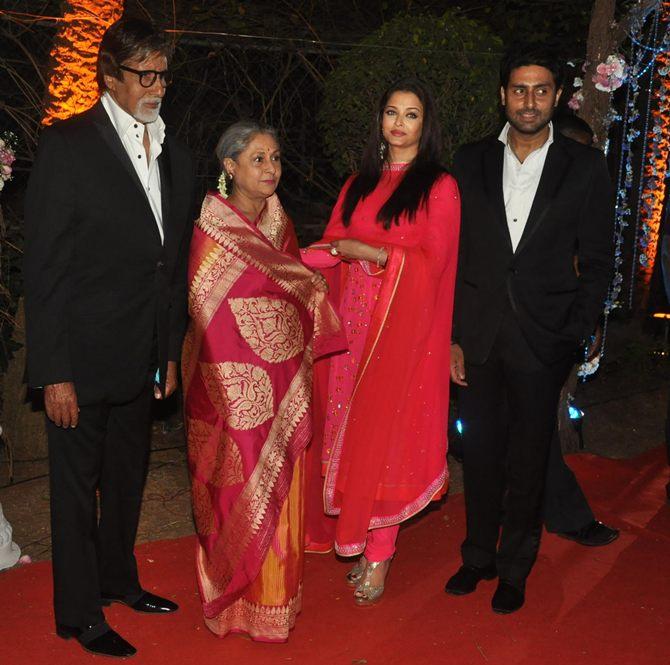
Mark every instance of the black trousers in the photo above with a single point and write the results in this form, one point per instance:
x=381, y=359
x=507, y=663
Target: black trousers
x=565, y=506
x=509, y=415
x=93, y=551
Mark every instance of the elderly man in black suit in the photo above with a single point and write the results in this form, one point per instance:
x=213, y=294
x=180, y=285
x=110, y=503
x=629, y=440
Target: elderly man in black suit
x=109, y=213
x=531, y=201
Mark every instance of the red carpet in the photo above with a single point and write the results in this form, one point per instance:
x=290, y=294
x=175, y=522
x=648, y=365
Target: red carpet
x=607, y=605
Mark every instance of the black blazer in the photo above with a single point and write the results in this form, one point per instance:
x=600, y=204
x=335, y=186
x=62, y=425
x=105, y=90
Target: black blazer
x=572, y=214
x=105, y=301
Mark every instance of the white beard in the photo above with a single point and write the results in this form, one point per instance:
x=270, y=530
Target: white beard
x=147, y=115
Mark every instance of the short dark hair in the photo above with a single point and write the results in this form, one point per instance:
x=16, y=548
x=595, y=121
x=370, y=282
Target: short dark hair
x=525, y=55
x=413, y=190
x=569, y=124
x=129, y=38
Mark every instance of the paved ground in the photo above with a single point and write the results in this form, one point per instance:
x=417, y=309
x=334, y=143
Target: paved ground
x=625, y=413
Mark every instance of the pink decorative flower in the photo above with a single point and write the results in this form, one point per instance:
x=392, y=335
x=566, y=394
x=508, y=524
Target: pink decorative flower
x=7, y=156
x=576, y=100
x=610, y=74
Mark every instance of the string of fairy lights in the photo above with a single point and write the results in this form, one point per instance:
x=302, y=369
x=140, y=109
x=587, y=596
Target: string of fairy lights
x=645, y=137
x=640, y=195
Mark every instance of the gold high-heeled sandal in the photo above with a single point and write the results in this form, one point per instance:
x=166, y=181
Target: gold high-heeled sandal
x=366, y=593
x=356, y=573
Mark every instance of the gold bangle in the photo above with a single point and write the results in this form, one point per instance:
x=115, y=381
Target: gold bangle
x=379, y=256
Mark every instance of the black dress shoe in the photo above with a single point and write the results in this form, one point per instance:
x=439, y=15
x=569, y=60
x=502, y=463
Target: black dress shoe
x=99, y=639
x=507, y=598
x=594, y=534
x=147, y=602
x=467, y=578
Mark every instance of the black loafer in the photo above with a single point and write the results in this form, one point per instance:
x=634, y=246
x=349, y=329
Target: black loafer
x=594, y=534
x=99, y=639
x=467, y=578
x=507, y=598
x=147, y=603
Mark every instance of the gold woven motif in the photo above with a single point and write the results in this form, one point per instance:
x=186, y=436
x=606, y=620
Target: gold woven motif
x=270, y=326
x=201, y=448
x=213, y=266
x=242, y=393
x=203, y=511
x=228, y=469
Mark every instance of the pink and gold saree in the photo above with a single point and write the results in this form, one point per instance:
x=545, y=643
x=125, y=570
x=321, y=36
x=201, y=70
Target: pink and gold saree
x=256, y=324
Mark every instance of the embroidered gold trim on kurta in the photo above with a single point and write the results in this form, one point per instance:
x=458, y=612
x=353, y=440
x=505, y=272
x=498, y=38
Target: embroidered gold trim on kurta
x=270, y=326
x=241, y=392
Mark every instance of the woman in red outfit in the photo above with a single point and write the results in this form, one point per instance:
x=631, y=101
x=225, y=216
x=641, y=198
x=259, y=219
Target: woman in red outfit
x=390, y=252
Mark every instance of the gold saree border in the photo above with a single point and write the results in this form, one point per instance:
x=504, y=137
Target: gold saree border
x=213, y=280
x=257, y=251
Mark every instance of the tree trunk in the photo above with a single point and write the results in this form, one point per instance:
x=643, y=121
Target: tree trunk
x=601, y=43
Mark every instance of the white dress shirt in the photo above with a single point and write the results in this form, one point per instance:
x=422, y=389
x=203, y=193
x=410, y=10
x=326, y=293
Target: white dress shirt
x=131, y=133
x=520, y=181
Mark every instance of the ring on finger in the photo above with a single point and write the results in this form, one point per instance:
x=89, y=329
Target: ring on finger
x=333, y=251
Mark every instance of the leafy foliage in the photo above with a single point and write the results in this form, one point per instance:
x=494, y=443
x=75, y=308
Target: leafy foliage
x=456, y=56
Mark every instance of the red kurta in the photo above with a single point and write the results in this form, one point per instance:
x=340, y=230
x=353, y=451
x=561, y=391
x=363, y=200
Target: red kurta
x=387, y=401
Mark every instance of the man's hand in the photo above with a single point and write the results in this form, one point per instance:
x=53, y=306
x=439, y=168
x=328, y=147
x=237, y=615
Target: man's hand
x=60, y=401
x=171, y=381
x=457, y=365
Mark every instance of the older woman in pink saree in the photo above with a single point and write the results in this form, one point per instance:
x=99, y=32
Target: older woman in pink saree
x=258, y=318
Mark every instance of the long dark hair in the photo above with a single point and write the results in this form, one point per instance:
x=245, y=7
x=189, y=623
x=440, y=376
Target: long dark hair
x=412, y=192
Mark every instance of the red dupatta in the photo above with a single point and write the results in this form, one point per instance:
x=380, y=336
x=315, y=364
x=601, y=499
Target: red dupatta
x=256, y=322
x=389, y=457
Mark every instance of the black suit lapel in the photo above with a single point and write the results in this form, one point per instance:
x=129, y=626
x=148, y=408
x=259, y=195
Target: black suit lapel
x=492, y=165
x=165, y=170
x=106, y=129
x=555, y=169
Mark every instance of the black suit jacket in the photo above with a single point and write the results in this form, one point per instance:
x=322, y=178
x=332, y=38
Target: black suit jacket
x=572, y=214
x=105, y=300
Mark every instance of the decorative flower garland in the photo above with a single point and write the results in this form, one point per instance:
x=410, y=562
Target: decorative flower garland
x=8, y=143
x=642, y=61
x=639, y=69
x=610, y=76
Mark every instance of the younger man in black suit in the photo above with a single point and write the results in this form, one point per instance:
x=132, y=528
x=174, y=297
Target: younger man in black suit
x=109, y=212
x=531, y=200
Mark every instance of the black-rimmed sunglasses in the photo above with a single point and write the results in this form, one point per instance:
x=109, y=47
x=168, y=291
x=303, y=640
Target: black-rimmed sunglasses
x=148, y=76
